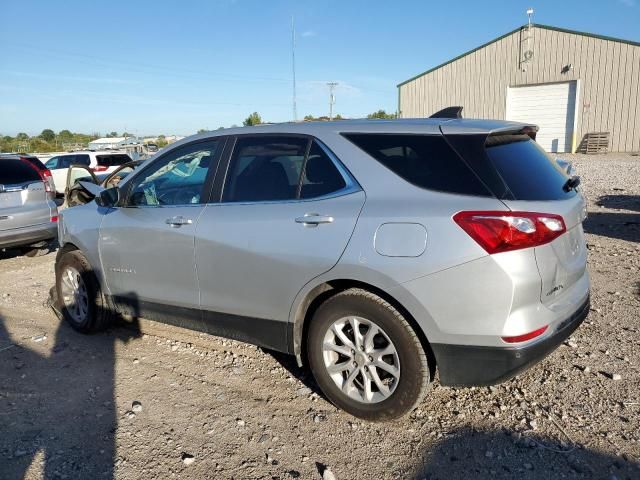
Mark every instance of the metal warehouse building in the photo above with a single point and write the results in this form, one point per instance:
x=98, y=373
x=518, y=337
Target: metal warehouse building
x=571, y=84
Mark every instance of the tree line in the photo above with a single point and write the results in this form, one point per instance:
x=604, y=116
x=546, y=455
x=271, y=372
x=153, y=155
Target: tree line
x=256, y=119
x=50, y=141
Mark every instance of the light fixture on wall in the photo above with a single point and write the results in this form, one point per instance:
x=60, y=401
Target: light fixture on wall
x=567, y=68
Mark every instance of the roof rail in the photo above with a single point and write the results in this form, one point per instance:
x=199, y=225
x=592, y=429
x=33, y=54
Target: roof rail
x=449, y=112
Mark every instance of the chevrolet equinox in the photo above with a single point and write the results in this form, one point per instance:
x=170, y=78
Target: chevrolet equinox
x=374, y=251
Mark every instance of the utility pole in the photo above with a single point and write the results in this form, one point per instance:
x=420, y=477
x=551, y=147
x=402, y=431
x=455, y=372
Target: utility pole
x=332, y=98
x=293, y=67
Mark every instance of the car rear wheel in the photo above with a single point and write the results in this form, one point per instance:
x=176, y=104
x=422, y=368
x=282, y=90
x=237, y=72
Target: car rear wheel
x=366, y=357
x=80, y=296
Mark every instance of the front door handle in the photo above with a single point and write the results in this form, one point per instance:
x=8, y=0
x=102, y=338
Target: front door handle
x=178, y=221
x=314, y=219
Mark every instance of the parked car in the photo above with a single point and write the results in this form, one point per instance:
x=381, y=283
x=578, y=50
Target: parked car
x=100, y=161
x=374, y=251
x=28, y=214
x=75, y=194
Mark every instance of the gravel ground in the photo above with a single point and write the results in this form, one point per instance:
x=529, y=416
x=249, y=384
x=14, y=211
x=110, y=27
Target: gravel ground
x=146, y=400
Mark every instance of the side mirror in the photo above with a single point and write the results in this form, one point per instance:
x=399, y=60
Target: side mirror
x=108, y=197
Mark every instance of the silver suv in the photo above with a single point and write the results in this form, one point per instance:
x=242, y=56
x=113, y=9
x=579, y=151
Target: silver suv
x=28, y=214
x=374, y=251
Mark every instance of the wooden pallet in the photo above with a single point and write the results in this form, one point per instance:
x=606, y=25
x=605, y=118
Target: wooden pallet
x=595, y=142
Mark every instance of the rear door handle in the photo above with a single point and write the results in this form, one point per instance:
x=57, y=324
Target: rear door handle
x=314, y=219
x=178, y=221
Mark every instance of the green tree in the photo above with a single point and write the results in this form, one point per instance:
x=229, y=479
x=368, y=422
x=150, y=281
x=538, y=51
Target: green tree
x=381, y=114
x=253, y=119
x=65, y=135
x=22, y=136
x=48, y=135
x=112, y=135
x=127, y=134
x=203, y=130
x=161, y=141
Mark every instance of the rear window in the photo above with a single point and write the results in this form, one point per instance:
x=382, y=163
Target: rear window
x=113, y=160
x=526, y=169
x=17, y=171
x=426, y=161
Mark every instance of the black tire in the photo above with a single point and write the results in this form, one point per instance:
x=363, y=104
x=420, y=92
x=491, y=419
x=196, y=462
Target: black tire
x=414, y=378
x=100, y=315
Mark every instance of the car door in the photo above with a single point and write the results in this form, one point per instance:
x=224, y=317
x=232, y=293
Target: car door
x=74, y=194
x=287, y=211
x=147, y=243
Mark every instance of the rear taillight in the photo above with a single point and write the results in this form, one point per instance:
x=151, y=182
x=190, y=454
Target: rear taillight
x=54, y=218
x=100, y=168
x=526, y=336
x=45, y=175
x=47, y=178
x=498, y=232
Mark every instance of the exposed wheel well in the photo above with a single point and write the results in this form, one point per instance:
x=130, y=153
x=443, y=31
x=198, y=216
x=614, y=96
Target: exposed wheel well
x=67, y=247
x=326, y=290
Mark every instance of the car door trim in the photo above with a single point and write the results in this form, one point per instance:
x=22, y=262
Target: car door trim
x=267, y=333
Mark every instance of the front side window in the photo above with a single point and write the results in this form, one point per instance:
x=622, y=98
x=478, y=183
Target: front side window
x=274, y=168
x=177, y=178
x=52, y=163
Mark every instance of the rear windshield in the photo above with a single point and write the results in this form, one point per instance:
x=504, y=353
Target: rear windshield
x=112, y=160
x=426, y=161
x=17, y=171
x=526, y=169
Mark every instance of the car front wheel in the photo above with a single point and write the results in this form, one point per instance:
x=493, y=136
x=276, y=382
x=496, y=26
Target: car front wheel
x=366, y=357
x=80, y=296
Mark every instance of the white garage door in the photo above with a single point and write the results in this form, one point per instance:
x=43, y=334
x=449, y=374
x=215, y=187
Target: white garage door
x=551, y=107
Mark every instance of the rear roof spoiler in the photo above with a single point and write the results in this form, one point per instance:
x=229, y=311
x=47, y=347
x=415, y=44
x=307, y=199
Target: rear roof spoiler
x=449, y=112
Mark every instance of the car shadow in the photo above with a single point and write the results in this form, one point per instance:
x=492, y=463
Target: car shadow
x=302, y=374
x=58, y=408
x=470, y=453
x=620, y=202
x=623, y=226
x=7, y=253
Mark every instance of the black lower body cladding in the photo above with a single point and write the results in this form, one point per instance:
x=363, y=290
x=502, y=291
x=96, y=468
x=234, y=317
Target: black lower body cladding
x=467, y=365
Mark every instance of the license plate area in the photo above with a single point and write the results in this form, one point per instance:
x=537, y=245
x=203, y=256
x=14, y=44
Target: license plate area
x=10, y=199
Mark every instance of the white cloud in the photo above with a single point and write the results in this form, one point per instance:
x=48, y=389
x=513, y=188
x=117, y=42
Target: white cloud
x=308, y=33
x=628, y=3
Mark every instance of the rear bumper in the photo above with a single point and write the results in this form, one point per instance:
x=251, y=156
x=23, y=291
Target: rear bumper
x=468, y=365
x=27, y=235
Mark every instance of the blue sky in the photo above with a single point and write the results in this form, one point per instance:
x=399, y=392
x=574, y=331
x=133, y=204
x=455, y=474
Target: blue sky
x=174, y=67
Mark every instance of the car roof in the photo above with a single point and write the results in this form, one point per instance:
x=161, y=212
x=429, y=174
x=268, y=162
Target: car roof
x=403, y=125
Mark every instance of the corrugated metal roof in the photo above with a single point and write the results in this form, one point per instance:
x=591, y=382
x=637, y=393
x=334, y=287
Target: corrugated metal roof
x=547, y=27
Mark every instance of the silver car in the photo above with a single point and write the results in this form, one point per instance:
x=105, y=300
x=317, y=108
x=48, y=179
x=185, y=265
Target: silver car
x=374, y=251
x=28, y=214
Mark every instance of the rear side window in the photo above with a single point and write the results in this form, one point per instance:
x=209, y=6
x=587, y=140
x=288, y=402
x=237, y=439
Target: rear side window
x=114, y=160
x=426, y=161
x=265, y=169
x=321, y=176
x=526, y=169
x=17, y=171
x=82, y=159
